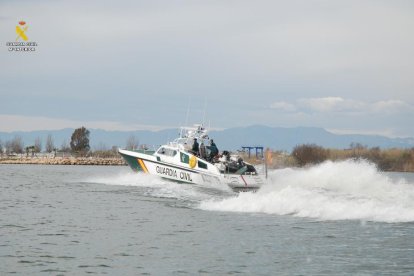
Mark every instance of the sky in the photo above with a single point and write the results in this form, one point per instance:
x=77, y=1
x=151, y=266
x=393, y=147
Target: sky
x=346, y=66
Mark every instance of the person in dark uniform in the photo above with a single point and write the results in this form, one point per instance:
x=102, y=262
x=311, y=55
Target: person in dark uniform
x=195, y=147
x=202, y=152
x=213, y=149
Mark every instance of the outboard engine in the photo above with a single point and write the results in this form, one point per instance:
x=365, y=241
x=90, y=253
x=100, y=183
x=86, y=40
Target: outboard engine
x=251, y=169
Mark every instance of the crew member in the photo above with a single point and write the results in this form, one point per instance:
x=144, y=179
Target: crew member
x=213, y=150
x=195, y=147
x=202, y=151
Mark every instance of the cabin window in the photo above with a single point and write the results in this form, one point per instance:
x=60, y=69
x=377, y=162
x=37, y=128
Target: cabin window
x=172, y=152
x=202, y=165
x=167, y=152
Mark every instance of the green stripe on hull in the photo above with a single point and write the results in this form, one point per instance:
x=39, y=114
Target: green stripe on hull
x=132, y=162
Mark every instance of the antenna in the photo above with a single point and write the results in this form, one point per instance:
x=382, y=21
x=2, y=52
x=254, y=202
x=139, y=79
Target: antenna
x=188, y=112
x=205, y=108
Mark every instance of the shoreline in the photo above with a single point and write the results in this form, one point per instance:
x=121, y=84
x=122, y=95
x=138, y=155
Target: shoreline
x=75, y=161
x=115, y=161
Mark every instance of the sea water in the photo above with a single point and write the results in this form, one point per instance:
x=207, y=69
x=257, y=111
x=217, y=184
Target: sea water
x=330, y=219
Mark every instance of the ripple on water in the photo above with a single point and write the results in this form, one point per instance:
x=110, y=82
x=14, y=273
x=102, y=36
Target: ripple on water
x=94, y=266
x=53, y=234
x=48, y=243
x=26, y=262
x=14, y=227
x=122, y=254
x=51, y=270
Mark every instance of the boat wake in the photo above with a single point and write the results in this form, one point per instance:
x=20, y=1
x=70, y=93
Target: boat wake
x=155, y=186
x=348, y=190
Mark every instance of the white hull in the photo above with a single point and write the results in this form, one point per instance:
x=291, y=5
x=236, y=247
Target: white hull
x=202, y=173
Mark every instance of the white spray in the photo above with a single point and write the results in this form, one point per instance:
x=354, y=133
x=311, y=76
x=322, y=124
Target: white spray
x=330, y=191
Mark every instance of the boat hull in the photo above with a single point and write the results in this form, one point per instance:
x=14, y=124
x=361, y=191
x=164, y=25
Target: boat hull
x=141, y=162
x=148, y=163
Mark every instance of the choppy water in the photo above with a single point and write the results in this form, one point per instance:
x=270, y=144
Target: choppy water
x=336, y=218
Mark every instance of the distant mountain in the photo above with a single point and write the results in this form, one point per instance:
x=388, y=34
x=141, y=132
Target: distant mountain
x=232, y=138
x=287, y=138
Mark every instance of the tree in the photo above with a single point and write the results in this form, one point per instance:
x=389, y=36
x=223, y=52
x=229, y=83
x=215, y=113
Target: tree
x=132, y=143
x=309, y=154
x=80, y=141
x=31, y=150
x=64, y=147
x=37, y=145
x=17, y=144
x=8, y=146
x=49, y=144
x=357, y=149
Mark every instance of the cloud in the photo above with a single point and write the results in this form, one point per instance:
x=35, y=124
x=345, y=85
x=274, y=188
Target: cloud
x=341, y=105
x=283, y=106
x=25, y=123
x=330, y=104
x=391, y=106
x=377, y=131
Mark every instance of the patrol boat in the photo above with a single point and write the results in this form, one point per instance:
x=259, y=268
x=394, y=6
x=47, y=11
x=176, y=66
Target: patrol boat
x=175, y=161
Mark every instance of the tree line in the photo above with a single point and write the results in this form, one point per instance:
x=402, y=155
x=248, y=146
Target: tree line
x=393, y=159
x=79, y=145
x=16, y=146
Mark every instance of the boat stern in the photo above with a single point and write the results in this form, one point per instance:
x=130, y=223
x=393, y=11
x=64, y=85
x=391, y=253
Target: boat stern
x=244, y=182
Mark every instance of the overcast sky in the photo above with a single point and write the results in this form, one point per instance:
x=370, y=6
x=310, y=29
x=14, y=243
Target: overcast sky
x=347, y=66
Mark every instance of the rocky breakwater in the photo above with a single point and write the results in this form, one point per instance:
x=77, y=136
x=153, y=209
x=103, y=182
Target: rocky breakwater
x=64, y=161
